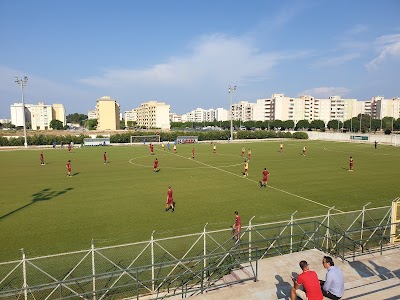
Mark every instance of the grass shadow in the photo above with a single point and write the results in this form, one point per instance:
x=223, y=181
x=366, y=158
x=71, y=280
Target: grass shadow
x=43, y=195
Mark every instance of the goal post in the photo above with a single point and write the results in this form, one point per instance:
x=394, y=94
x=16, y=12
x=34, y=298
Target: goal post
x=187, y=139
x=145, y=139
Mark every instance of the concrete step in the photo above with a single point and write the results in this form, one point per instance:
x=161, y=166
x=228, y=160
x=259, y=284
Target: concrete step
x=373, y=288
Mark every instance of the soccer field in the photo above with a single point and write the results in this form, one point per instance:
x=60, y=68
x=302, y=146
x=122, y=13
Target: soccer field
x=45, y=212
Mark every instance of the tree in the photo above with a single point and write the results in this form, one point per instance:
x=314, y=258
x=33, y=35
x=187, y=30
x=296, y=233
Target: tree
x=91, y=124
x=317, y=124
x=334, y=124
x=288, y=124
x=132, y=124
x=56, y=124
x=303, y=124
x=122, y=124
x=76, y=118
x=276, y=124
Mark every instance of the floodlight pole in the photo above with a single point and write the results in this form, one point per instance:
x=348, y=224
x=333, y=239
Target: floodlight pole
x=22, y=84
x=231, y=90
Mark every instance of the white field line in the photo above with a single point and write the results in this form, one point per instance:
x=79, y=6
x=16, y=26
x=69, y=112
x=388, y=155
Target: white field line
x=283, y=191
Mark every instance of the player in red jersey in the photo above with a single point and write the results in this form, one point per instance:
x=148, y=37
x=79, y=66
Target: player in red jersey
x=151, y=149
x=248, y=154
x=69, y=148
x=193, y=153
x=105, y=157
x=170, y=200
x=351, y=163
x=265, y=178
x=155, y=166
x=41, y=159
x=237, y=226
x=68, y=166
x=243, y=150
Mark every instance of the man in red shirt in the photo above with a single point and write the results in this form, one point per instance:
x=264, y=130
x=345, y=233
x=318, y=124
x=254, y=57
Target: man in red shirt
x=193, y=153
x=170, y=200
x=151, y=149
x=265, y=178
x=311, y=286
x=105, y=157
x=243, y=151
x=237, y=226
x=69, y=148
x=41, y=158
x=155, y=166
x=351, y=163
x=68, y=166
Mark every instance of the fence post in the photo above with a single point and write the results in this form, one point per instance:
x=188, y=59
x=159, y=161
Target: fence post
x=250, y=230
x=93, y=272
x=291, y=231
x=204, y=254
x=362, y=220
x=24, y=274
x=152, y=260
x=327, y=234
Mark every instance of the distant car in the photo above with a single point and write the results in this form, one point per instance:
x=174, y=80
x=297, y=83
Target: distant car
x=242, y=128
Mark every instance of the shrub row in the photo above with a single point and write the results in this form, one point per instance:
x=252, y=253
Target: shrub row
x=165, y=136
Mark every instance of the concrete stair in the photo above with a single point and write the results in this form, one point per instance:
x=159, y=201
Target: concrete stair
x=372, y=276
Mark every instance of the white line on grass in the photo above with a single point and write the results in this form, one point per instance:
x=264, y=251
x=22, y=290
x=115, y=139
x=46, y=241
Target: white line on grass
x=283, y=191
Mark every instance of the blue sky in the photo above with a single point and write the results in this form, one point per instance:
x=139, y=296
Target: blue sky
x=186, y=53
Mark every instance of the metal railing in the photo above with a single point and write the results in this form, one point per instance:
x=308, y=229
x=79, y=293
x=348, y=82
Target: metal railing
x=190, y=263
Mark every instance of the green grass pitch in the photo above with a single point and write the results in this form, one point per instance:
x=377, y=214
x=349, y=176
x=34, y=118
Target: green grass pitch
x=45, y=212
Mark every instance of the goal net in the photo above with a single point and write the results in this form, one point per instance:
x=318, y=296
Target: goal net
x=187, y=139
x=145, y=139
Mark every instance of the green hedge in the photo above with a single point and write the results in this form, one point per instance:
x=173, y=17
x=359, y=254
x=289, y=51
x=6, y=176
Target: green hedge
x=41, y=139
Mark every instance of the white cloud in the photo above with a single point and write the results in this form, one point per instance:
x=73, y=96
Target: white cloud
x=388, y=47
x=216, y=58
x=325, y=92
x=335, y=61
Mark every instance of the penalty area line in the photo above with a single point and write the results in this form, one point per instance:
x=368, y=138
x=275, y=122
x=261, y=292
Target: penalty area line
x=280, y=190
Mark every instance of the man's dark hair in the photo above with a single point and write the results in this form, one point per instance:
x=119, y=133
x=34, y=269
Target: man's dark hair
x=236, y=213
x=303, y=264
x=329, y=260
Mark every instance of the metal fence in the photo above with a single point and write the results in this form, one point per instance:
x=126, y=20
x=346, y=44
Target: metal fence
x=189, y=264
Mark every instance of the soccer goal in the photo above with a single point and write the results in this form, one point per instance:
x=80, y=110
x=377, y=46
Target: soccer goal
x=187, y=139
x=145, y=139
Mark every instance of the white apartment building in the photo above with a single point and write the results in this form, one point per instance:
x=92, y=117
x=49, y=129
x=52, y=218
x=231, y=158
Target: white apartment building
x=130, y=115
x=39, y=116
x=209, y=115
x=17, y=114
x=221, y=114
x=153, y=114
x=92, y=114
x=243, y=111
x=385, y=107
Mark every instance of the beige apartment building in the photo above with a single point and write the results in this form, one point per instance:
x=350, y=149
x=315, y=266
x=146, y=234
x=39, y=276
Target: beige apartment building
x=153, y=114
x=108, y=114
x=59, y=113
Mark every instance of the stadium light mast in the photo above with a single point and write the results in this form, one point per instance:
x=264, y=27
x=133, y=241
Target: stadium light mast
x=22, y=84
x=231, y=90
